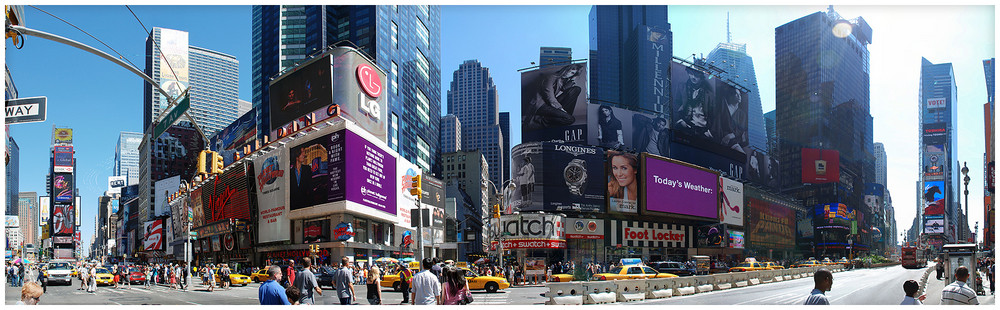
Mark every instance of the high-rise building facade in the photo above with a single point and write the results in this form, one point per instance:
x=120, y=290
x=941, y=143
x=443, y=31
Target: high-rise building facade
x=404, y=40
x=127, y=156
x=468, y=170
x=473, y=99
x=772, y=133
x=12, y=169
x=989, y=163
x=548, y=56
x=27, y=203
x=243, y=106
x=938, y=148
x=881, y=170
x=505, y=128
x=451, y=134
x=214, y=89
x=616, y=70
x=735, y=65
x=822, y=110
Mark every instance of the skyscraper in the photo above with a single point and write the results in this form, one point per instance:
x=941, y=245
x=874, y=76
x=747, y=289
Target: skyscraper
x=548, y=56
x=734, y=64
x=881, y=170
x=772, y=133
x=505, y=128
x=27, y=203
x=822, y=111
x=989, y=221
x=404, y=40
x=451, y=134
x=617, y=66
x=938, y=147
x=12, y=169
x=473, y=99
x=127, y=156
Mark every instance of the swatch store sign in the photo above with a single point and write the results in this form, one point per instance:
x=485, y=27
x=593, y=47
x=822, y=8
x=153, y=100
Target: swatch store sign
x=533, y=231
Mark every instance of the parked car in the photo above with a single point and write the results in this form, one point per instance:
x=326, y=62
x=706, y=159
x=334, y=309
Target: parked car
x=676, y=268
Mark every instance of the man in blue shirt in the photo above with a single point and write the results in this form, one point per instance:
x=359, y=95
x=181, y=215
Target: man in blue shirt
x=271, y=293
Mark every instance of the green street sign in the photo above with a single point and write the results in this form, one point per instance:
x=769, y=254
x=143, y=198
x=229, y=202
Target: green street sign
x=194, y=234
x=854, y=227
x=172, y=117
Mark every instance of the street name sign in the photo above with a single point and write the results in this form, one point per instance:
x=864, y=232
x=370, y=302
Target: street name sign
x=25, y=110
x=172, y=117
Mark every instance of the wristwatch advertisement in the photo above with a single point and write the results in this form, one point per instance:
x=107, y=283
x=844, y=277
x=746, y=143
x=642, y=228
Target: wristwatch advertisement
x=575, y=174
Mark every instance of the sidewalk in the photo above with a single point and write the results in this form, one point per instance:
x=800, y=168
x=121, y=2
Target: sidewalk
x=934, y=287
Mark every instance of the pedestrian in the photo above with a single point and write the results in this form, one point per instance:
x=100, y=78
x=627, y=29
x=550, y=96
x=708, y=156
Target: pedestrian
x=92, y=279
x=20, y=274
x=271, y=292
x=990, y=275
x=31, y=294
x=343, y=280
x=939, y=269
x=958, y=293
x=456, y=289
x=115, y=275
x=405, y=278
x=823, y=280
x=42, y=280
x=224, y=274
x=910, y=287
x=125, y=277
x=293, y=295
x=306, y=283
x=149, y=276
x=374, y=289
x=426, y=287
x=290, y=272
x=211, y=278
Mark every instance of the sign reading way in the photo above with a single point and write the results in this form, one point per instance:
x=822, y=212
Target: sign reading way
x=25, y=110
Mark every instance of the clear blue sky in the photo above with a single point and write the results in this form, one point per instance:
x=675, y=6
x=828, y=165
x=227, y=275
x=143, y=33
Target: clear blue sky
x=98, y=99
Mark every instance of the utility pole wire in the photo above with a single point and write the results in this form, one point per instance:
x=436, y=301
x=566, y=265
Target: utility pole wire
x=150, y=36
x=85, y=32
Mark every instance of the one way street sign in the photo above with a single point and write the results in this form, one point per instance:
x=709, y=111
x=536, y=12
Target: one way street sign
x=25, y=110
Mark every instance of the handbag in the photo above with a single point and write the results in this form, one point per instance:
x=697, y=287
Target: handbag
x=467, y=299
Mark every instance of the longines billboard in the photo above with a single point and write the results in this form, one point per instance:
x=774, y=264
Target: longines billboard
x=554, y=176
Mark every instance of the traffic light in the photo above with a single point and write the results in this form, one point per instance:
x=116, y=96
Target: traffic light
x=202, y=162
x=415, y=186
x=496, y=211
x=217, y=163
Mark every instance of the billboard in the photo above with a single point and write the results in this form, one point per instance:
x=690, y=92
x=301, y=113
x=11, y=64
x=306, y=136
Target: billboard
x=272, y=186
x=935, y=129
x=553, y=176
x=936, y=103
x=935, y=160
x=820, y=166
x=934, y=226
x=233, y=138
x=836, y=214
x=63, y=219
x=78, y=207
x=312, y=92
x=341, y=166
x=115, y=184
x=874, y=196
x=770, y=225
x=712, y=236
x=12, y=221
x=623, y=182
x=152, y=235
x=533, y=230
x=198, y=207
x=933, y=197
x=434, y=194
x=736, y=239
x=405, y=171
x=804, y=227
x=62, y=136
x=653, y=55
x=554, y=103
x=62, y=186
x=62, y=161
x=227, y=196
x=679, y=188
x=732, y=201
x=622, y=129
x=316, y=231
x=44, y=203
x=162, y=189
x=708, y=113
x=584, y=228
x=762, y=169
x=173, y=63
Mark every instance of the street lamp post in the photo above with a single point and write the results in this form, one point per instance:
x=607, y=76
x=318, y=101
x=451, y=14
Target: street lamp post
x=965, y=172
x=187, y=237
x=502, y=195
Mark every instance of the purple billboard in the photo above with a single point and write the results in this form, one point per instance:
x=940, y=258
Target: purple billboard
x=679, y=188
x=341, y=166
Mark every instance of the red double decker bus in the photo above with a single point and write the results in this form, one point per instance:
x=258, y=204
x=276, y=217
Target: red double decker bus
x=913, y=257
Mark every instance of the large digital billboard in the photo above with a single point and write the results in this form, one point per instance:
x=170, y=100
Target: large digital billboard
x=173, y=63
x=675, y=187
x=732, y=201
x=63, y=219
x=43, y=210
x=833, y=214
x=933, y=198
x=227, y=196
x=934, y=226
x=153, y=235
x=762, y=169
x=163, y=189
x=62, y=136
x=708, y=113
x=552, y=176
x=62, y=161
x=272, y=185
x=820, y=166
x=554, y=103
x=771, y=225
x=623, y=181
x=405, y=171
x=341, y=166
x=312, y=92
x=233, y=138
x=617, y=128
x=62, y=186
x=935, y=160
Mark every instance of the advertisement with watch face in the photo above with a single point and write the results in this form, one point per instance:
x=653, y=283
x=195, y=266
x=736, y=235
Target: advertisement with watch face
x=551, y=176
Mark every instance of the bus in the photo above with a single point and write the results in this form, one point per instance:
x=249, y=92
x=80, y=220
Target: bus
x=913, y=257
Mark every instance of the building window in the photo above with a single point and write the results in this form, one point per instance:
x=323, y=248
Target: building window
x=395, y=75
x=395, y=35
x=423, y=33
x=361, y=230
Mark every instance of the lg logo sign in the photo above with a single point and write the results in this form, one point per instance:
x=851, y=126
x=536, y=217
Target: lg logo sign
x=370, y=83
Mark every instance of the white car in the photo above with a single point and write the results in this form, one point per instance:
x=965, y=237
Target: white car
x=59, y=273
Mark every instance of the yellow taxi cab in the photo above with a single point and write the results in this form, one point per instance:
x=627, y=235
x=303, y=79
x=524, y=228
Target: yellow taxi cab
x=772, y=266
x=392, y=279
x=74, y=272
x=808, y=263
x=749, y=266
x=562, y=277
x=631, y=269
x=488, y=283
x=827, y=261
x=104, y=276
x=843, y=261
x=234, y=278
x=259, y=275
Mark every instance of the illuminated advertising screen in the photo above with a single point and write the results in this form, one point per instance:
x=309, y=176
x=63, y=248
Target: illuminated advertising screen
x=708, y=113
x=227, y=196
x=316, y=231
x=935, y=159
x=62, y=136
x=43, y=210
x=197, y=206
x=242, y=132
x=820, y=166
x=934, y=226
x=933, y=198
x=554, y=103
x=836, y=214
x=874, y=194
x=679, y=188
x=770, y=225
x=433, y=192
x=712, y=236
x=735, y=239
x=62, y=186
x=732, y=201
x=272, y=186
x=341, y=166
x=935, y=129
x=173, y=63
x=405, y=171
x=617, y=128
x=623, y=182
x=62, y=161
x=312, y=92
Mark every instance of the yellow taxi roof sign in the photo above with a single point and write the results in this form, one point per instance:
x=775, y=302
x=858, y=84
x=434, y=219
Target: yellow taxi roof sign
x=414, y=264
x=462, y=264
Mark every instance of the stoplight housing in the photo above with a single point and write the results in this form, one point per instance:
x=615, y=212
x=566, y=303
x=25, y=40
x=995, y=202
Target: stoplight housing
x=217, y=163
x=415, y=186
x=202, y=162
x=496, y=211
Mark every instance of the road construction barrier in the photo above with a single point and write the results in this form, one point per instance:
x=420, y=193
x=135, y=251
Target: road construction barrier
x=660, y=288
x=564, y=293
x=754, y=277
x=705, y=283
x=723, y=281
x=685, y=286
x=740, y=279
x=600, y=292
x=630, y=290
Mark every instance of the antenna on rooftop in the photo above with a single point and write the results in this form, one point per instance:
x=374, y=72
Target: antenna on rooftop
x=729, y=35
